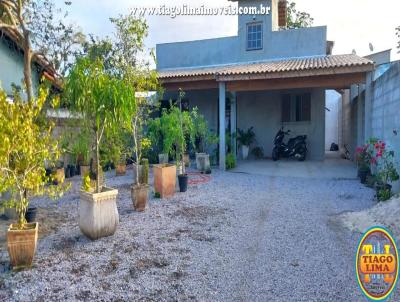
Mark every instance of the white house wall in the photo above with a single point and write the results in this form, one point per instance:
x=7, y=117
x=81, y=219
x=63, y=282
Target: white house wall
x=262, y=110
x=333, y=99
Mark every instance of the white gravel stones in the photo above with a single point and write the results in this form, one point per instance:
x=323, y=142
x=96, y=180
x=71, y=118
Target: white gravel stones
x=237, y=238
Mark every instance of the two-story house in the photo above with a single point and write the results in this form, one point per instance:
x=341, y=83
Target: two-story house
x=266, y=77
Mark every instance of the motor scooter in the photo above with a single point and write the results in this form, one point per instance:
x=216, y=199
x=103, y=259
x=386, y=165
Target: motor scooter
x=296, y=147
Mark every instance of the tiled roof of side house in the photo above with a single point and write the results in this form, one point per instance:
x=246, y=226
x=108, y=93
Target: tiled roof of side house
x=297, y=66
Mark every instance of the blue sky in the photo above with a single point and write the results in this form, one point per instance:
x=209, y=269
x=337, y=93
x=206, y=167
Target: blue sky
x=352, y=24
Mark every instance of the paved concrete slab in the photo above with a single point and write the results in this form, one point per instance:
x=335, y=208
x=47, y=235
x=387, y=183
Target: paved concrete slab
x=333, y=167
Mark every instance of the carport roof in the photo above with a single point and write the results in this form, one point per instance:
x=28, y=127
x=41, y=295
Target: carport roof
x=294, y=67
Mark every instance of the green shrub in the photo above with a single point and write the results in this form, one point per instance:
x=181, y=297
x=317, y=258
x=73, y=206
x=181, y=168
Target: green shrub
x=384, y=195
x=258, y=152
x=230, y=161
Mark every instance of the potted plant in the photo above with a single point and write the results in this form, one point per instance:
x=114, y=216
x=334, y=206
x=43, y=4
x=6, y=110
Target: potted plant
x=184, y=134
x=160, y=143
x=25, y=146
x=97, y=97
x=387, y=172
x=245, y=139
x=143, y=168
x=364, y=158
x=164, y=173
x=138, y=116
x=204, y=139
x=118, y=148
x=80, y=149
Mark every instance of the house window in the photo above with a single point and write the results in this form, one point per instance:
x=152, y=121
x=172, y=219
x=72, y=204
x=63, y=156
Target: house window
x=296, y=108
x=254, y=36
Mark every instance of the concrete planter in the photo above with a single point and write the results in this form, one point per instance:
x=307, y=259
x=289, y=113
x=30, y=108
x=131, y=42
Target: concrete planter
x=203, y=162
x=245, y=152
x=139, y=197
x=120, y=170
x=165, y=180
x=163, y=159
x=59, y=176
x=98, y=213
x=21, y=244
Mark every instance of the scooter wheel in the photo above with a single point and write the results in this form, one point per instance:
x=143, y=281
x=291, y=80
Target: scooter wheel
x=302, y=155
x=275, y=154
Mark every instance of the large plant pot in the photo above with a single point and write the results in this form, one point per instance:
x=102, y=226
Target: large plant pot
x=21, y=244
x=59, y=176
x=163, y=159
x=84, y=170
x=98, y=213
x=120, y=170
x=203, y=162
x=245, y=152
x=164, y=180
x=183, y=182
x=30, y=215
x=198, y=156
x=139, y=197
x=363, y=173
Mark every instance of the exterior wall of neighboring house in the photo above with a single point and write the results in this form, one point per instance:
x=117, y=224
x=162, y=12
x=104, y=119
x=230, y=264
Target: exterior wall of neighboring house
x=277, y=44
x=333, y=101
x=354, y=123
x=12, y=68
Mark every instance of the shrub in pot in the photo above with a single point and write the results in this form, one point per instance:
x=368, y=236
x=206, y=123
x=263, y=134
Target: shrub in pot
x=387, y=172
x=245, y=139
x=230, y=161
x=185, y=134
x=117, y=148
x=204, y=139
x=156, y=136
x=26, y=145
x=363, y=159
x=99, y=99
x=138, y=115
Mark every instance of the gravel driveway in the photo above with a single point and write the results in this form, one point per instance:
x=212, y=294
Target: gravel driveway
x=240, y=237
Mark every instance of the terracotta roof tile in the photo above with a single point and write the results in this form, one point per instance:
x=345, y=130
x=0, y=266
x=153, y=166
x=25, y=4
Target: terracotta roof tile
x=288, y=65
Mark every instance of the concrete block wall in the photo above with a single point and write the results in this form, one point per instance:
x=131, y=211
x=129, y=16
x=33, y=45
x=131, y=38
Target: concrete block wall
x=385, y=116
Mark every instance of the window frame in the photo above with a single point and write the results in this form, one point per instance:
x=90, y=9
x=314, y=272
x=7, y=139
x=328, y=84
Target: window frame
x=255, y=32
x=293, y=111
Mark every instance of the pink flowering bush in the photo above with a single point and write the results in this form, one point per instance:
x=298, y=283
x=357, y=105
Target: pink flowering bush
x=365, y=155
